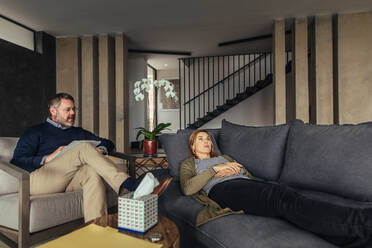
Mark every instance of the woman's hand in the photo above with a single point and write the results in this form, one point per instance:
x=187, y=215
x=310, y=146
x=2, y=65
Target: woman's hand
x=227, y=169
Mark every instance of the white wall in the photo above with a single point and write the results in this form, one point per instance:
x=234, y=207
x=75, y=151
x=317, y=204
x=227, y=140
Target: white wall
x=16, y=34
x=137, y=69
x=257, y=110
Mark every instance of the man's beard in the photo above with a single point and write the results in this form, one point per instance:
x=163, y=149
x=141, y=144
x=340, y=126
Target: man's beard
x=63, y=122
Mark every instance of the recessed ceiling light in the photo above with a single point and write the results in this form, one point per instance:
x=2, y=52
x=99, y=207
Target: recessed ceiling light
x=165, y=65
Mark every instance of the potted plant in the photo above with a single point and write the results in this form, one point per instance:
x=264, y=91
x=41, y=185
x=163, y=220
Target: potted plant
x=149, y=142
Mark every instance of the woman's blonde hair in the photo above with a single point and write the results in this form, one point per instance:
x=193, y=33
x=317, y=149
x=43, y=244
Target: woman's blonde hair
x=192, y=141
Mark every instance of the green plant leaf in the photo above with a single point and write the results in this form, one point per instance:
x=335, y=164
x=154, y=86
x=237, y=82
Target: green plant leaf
x=160, y=127
x=151, y=135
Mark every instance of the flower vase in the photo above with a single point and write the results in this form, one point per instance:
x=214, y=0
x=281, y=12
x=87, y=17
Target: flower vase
x=150, y=147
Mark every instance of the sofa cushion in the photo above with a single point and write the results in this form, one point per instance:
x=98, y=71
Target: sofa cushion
x=47, y=210
x=176, y=147
x=260, y=149
x=335, y=159
x=9, y=184
x=258, y=232
x=7, y=146
x=334, y=199
x=236, y=230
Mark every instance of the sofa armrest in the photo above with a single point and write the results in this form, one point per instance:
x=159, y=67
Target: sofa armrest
x=24, y=200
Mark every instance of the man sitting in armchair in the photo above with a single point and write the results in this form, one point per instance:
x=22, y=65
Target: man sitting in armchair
x=39, y=151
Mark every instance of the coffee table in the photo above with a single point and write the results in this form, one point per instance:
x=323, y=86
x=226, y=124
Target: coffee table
x=166, y=227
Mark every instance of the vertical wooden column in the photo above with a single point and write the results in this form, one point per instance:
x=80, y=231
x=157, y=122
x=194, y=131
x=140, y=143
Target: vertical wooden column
x=122, y=93
x=300, y=69
x=323, y=70
x=68, y=70
x=106, y=87
x=89, y=81
x=353, y=65
x=279, y=72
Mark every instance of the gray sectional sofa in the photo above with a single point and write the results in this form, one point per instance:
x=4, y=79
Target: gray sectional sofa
x=327, y=162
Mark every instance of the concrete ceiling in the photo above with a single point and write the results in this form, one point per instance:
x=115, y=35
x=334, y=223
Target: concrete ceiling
x=193, y=25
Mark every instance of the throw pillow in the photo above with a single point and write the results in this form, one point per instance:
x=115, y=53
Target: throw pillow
x=176, y=146
x=259, y=149
x=335, y=159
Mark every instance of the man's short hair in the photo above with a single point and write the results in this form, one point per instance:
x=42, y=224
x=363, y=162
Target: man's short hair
x=55, y=101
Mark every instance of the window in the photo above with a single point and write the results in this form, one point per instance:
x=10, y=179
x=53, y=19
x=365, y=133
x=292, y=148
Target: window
x=16, y=33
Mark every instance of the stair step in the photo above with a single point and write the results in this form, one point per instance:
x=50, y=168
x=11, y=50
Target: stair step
x=260, y=84
x=269, y=78
x=214, y=113
x=241, y=96
x=251, y=90
x=231, y=102
x=223, y=107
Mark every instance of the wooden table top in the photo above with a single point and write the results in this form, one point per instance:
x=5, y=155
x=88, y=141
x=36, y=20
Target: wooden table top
x=165, y=226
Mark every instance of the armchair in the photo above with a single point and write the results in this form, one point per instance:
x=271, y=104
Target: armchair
x=26, y=220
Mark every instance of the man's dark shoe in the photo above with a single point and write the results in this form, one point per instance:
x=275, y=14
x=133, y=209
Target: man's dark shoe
x=162, y=186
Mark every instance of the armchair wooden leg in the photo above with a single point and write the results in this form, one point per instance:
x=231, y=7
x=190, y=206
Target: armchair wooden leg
x=24, y=213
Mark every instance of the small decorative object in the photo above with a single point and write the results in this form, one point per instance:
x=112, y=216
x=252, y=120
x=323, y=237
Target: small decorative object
x=150, y=142
x=155, y=237
x=137, y=215
x=145, y=85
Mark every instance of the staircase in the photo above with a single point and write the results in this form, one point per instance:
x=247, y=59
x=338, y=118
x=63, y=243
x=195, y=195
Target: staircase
x=204, y=96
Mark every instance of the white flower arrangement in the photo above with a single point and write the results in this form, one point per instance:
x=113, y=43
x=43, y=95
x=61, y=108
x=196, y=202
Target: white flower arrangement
x=145, y=85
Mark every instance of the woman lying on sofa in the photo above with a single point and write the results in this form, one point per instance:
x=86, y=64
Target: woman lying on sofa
x=225, y=187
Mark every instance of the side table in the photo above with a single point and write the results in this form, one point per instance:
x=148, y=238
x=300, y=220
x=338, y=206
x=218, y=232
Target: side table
x=136, y=168
x=165, y=226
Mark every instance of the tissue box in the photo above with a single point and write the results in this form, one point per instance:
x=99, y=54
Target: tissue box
x=137, y=215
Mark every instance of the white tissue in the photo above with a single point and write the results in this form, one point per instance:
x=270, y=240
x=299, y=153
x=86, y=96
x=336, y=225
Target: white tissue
x=146, y=187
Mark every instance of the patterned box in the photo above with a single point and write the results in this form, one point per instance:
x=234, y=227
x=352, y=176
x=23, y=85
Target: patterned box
x=137, y=215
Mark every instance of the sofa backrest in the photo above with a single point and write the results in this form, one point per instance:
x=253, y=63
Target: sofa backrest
x=335, y=159
x=7, y=146
x=176, y=147
x=260, y=149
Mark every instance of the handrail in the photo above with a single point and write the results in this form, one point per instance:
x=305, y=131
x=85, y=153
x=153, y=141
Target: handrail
x=219, y=82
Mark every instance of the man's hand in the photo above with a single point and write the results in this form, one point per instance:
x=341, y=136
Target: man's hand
x=99, y=150
x=52, y=155
x=227, y=169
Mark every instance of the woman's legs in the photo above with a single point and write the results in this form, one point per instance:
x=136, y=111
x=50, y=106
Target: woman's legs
x=267, y=199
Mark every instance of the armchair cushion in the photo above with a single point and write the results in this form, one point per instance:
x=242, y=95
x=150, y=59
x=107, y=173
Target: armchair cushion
x=8, y=183
x=7, y=146
x=47, y=210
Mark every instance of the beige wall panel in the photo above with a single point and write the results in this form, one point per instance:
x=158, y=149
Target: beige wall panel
x=324, y=70
x=300, y=69
x=122, y=93
x=67, y=71
x=106, y=87
x=279, y=72
x=89, y=80
x=355, y=67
